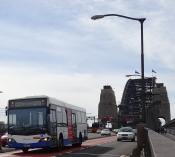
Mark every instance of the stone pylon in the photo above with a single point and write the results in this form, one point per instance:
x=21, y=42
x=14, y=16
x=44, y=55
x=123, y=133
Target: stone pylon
x=160, y=107
x=107, y=108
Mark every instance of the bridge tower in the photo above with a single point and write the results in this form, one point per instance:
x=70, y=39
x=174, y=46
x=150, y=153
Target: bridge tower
x=107, y=108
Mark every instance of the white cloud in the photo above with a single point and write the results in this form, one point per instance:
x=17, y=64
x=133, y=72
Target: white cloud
x=79, y=89
x=62, y=32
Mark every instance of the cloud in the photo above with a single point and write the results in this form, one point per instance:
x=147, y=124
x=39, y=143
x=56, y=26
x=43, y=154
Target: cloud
x=53, y=47
x=78, y=89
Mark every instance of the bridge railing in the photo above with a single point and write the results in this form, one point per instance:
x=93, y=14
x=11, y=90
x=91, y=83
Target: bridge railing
x=155, y=144
x=171, y=131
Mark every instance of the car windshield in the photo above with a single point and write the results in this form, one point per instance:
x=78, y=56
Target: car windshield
x=126, y=129
x=27, y=121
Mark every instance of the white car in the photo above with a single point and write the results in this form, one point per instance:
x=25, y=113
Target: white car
x=98, y=131
x=126, y=133
x=115, y=130
x=105, y=132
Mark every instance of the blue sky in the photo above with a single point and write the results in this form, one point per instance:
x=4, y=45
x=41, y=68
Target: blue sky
x=52, y=47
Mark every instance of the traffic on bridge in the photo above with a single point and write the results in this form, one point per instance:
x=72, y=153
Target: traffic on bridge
x=87, y=78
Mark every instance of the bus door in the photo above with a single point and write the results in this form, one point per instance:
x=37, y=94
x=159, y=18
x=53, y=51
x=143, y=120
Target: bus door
x=74, y=125
x=53, y=123
x=69, y=123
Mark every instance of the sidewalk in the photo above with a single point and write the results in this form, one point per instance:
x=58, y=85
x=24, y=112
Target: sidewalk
x=170, y=136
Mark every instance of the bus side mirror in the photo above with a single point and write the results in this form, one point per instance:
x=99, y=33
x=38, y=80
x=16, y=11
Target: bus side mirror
x=6, y=111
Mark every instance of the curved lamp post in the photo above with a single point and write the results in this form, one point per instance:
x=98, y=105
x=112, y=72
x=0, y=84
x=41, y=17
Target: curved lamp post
x=141, y=21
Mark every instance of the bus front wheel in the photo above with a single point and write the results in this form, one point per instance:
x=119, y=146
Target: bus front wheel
x=25, y=150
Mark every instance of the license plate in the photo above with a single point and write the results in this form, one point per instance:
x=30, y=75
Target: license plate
x=125, y=135
x=27, y=145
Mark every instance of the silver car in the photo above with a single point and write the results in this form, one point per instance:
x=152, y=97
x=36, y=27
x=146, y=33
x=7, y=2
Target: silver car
x=126, y=133
x=105, y=132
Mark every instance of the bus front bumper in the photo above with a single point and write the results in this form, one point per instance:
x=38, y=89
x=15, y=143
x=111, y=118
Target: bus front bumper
x=43, y=144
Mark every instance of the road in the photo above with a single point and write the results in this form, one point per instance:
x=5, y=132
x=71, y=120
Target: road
x=102, y=147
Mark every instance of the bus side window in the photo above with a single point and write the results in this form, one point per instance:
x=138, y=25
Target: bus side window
x=83, y=116
x=64, y=117
x=59, y=117
x=73, y=119
x=78, y=117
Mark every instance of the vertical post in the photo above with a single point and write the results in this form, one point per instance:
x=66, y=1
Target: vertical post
x=142, y=73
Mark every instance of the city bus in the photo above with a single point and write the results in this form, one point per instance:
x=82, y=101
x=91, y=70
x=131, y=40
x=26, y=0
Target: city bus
x=44, y=122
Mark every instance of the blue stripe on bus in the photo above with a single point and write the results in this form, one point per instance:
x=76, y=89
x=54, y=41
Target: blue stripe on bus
x=42, y=144
x=67, y=142
x=31, y=145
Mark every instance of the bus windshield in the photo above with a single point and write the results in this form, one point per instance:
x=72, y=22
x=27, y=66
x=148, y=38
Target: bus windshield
x=27, y=121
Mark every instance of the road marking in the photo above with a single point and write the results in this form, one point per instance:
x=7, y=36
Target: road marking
x=94, y=154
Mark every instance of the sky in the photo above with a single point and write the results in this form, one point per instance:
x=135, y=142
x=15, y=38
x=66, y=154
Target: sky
x=52, y=47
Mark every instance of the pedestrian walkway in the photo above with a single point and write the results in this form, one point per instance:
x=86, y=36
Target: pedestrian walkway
x=170, y=136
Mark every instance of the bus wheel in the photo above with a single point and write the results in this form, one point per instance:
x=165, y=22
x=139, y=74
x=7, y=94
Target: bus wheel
x=25, y=150
x=60, y=143
x=80, y=140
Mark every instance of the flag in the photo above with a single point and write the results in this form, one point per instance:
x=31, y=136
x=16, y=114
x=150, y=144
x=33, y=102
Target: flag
x=153, y=71
x=136, y=72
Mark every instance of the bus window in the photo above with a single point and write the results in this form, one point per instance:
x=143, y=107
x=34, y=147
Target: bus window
x=73, y=119
x=59, y=117
x=74, y=125
x=83, y=116
x=40, y=118
x=78, y=117
x=53, y=128
x=64, y=117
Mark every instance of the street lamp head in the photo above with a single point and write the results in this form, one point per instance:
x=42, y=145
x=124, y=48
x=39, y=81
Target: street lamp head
x=96, y=17
x=142, y=19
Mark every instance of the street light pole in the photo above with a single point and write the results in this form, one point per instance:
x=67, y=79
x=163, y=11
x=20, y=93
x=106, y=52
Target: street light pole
x=142, y=73
x=141, y=20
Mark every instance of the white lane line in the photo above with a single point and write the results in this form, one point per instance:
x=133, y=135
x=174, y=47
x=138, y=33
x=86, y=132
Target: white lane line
x=93, y=154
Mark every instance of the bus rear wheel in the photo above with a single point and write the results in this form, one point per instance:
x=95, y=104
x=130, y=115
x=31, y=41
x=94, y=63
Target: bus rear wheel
x=60, y=143
x=25, y=150
x=80, y=139
x=79, y=142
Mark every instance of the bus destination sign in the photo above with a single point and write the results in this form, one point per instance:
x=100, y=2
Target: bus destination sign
x=27, y=103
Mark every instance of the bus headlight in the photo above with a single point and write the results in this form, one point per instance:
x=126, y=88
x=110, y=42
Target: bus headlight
x=44, y=139
x=11, y=140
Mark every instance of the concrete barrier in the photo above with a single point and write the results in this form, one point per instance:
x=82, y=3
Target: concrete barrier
x=160, y=145
x=153, y=144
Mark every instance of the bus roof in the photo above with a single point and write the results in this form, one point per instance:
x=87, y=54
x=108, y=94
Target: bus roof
x=54, y=101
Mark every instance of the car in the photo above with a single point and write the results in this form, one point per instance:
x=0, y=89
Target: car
x=126, y=133
x=98, y=131
x=115, y=130
x=135, y=131
x=105, y=132
x=4, y=139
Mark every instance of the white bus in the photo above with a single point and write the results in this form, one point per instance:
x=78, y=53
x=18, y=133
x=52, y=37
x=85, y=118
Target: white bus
x=44, y=122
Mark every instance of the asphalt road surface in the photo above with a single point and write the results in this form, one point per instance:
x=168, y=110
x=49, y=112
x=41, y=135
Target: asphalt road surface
x=102, y=147
x=105, y=149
